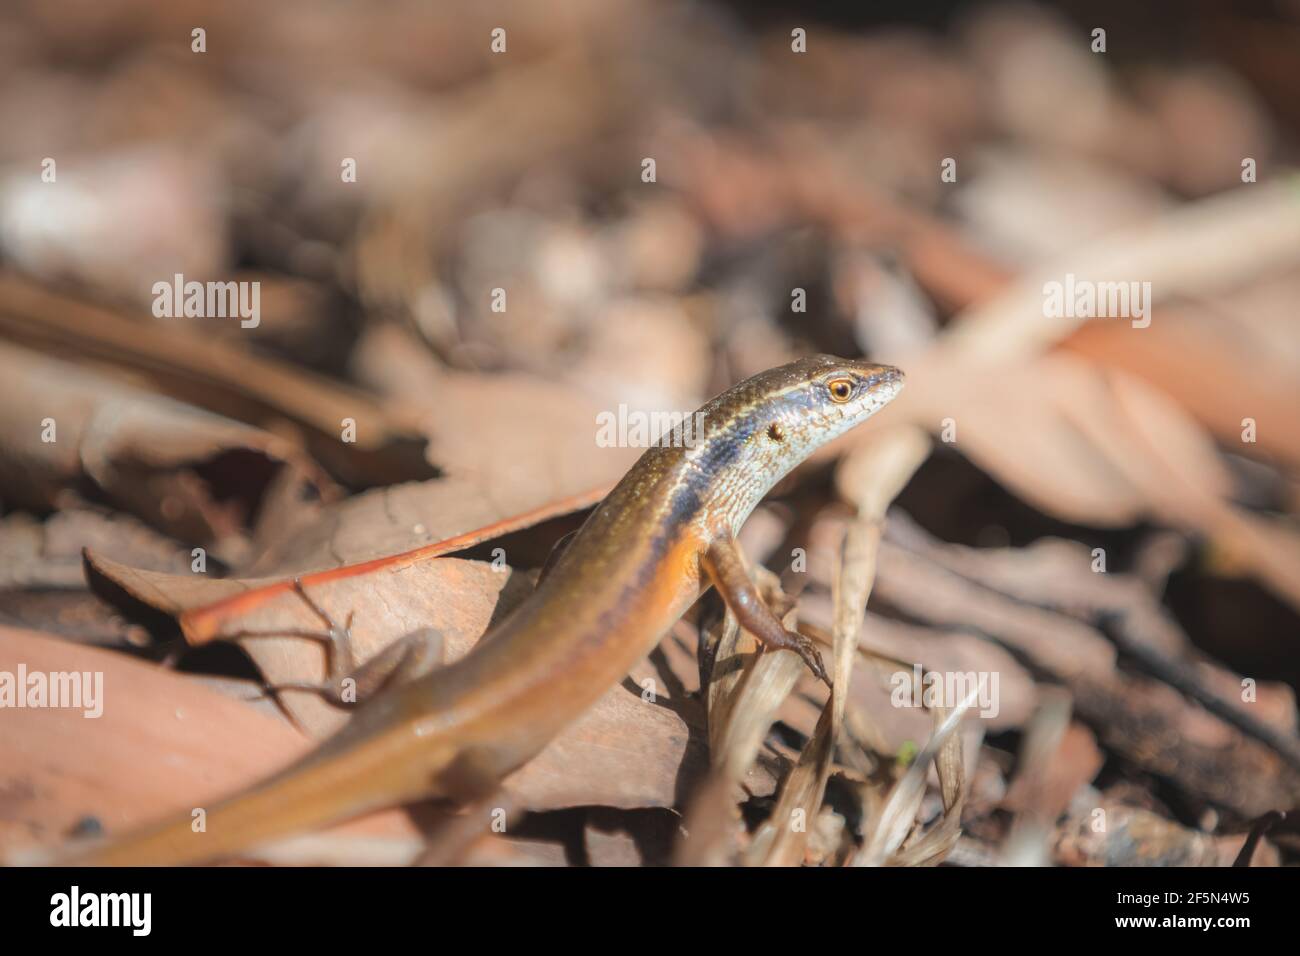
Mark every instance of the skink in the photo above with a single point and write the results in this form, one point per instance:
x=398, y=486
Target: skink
x=644, y=555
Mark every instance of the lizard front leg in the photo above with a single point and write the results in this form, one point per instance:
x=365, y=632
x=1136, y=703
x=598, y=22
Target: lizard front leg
x=726, y=568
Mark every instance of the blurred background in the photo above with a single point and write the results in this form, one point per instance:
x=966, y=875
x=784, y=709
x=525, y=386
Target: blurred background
x=474, y=227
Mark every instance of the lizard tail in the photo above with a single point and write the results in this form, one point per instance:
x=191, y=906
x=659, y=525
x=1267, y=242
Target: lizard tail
x=323, y=788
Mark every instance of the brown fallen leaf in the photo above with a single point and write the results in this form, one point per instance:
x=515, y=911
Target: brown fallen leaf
x=165, y=462
x=47, y=555
x=76, y=616
x=625, y=752
x=977, y=374
x=1104, y=448
x=389, y=598
x=432, y=518
x=1060, y=575
x=521, y=440
x=163, y=743
x=1035, y=448
x=221, y=377
x=1251, y=380
x=1141, y=718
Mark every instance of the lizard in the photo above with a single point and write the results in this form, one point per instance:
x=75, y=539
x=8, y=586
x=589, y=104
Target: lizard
x=645, y=554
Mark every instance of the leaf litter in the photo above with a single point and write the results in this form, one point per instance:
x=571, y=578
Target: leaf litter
x=198, y=471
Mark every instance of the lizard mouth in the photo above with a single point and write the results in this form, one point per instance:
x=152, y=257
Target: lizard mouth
x=888, y=376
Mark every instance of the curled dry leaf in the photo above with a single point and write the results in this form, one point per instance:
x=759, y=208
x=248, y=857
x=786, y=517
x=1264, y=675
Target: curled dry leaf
x=933, y=846
x=154, y=457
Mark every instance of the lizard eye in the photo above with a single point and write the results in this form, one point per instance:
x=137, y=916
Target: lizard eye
x=841, y=389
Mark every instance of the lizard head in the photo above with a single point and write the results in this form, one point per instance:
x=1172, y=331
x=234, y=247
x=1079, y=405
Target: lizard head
x=757, y=431
x=819, y=398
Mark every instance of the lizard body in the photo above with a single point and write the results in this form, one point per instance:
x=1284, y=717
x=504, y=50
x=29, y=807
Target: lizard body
x=643, y=556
